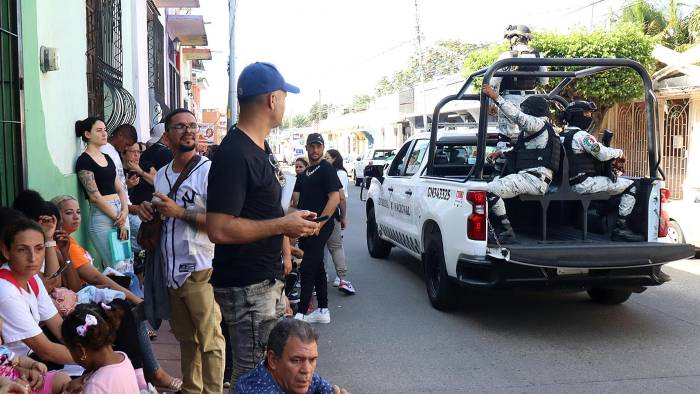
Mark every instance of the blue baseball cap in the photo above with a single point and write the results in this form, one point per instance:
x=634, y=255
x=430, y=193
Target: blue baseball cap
x=260, y=78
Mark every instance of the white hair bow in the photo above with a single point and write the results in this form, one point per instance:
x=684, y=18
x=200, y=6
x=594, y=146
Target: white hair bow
x=90, y=321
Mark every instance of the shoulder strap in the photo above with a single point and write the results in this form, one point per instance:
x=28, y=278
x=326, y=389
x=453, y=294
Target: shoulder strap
x=184, y=174
x=8, y=276
x=537, y=134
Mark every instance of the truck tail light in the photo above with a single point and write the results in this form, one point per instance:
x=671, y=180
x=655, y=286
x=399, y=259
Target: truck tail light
x=476, y=221
x=663, y=217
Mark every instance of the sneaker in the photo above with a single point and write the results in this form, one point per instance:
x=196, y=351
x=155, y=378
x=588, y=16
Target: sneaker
x=346, y=287
x=336, y=282
x=320, y=315
x=300, y=316
x=294, y=296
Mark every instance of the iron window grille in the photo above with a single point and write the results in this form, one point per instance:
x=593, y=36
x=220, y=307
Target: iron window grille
x=106, y=94
x=156, y=70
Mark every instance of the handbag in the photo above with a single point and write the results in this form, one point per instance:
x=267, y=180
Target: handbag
x=150, y=232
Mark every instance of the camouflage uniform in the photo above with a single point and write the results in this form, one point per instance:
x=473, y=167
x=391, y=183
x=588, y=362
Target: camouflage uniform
x=507, y=125
x=582, y=143
x=528, y=181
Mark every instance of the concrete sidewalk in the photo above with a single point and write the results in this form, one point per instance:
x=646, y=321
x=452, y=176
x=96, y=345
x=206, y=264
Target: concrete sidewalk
x=167, y=350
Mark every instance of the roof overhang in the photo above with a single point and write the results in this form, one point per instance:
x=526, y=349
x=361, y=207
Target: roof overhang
x=196, y=53
x=177, y=3
x=189, y=29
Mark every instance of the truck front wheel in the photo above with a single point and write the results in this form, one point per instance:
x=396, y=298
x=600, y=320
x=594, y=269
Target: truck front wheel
x=602, y=295
x=442, y=292
x=377, y=247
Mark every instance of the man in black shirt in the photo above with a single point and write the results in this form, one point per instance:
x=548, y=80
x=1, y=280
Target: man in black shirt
x=316, y=190
x=246, y=221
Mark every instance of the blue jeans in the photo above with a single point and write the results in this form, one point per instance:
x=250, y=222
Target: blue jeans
x=99, y=227
x=134, y=224
x=250, y=313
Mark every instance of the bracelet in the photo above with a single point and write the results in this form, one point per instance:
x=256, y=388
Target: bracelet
x=50, y=244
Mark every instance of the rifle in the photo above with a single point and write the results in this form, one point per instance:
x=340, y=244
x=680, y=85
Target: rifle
x=608, y=168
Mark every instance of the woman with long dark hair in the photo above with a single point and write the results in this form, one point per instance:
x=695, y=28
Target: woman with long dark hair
x=109, y=208
x=335, y=242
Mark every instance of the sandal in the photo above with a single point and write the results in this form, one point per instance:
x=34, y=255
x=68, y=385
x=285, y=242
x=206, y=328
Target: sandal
x=175, y=385
x=152, y=335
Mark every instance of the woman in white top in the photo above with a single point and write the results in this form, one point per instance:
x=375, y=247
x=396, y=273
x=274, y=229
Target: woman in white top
x=24, y=302
x=335, y=242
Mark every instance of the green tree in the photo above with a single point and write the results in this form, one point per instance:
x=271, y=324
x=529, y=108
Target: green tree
x=319, y=111
x=294, y=121
x=605, y=89
x=361, y=102
x=443, y=58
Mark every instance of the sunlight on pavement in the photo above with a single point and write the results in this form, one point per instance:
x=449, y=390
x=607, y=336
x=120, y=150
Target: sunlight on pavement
x=690, y=265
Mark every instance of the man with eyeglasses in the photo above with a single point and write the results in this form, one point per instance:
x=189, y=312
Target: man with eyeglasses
x=246, y=221
x=186, y=255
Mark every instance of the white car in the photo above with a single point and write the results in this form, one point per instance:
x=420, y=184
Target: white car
x=373, y=157
x=684, y=221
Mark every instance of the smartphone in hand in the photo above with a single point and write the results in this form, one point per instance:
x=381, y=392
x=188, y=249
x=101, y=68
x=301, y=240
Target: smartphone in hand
x=319, y=219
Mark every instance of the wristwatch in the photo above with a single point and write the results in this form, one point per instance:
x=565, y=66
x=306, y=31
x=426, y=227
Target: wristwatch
x=50, y=244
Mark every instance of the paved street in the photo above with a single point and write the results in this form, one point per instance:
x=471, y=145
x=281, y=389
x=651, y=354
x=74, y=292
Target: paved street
x=388, y=339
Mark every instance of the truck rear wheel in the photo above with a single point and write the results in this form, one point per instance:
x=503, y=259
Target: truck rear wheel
x=441, y=291
x=377, y=247
x=608, y=296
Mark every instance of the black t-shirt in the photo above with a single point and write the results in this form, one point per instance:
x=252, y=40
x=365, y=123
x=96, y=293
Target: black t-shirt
x=156, y=156
x=242, y=183
x=104, y=176
x=314, y=184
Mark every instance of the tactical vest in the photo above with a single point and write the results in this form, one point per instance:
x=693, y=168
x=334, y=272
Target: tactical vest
x=523, y=158
x=521, y=83
x=581, y=165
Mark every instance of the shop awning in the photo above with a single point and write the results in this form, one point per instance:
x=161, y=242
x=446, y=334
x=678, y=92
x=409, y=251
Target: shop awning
x=189, y=29
x=364, y=134
x=196, y=53
x=177, y=3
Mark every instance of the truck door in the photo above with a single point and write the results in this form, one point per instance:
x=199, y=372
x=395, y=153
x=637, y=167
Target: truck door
x=406, y=198
x=387, y=217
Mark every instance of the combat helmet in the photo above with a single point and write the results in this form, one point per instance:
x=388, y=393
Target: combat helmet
x=517, y=30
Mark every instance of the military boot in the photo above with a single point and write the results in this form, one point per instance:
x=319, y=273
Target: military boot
x=503, y=231
x=622, y=232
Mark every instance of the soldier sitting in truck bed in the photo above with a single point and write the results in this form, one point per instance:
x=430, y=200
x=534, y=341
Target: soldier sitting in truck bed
x=531, y=163
x=587, y=172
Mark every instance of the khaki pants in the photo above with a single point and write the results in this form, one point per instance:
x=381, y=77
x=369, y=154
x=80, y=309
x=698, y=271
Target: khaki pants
x=195, y=320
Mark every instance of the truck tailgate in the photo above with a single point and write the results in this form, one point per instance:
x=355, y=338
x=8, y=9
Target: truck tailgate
x=597, y=255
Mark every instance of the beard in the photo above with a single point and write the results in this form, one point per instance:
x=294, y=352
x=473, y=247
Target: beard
x=185, y=148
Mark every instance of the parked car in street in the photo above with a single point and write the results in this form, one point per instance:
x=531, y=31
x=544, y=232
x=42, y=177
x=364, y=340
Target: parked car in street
x=684, y=221
x=373, y=157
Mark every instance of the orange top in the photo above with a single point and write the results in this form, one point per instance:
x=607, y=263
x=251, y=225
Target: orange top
x=78, y=255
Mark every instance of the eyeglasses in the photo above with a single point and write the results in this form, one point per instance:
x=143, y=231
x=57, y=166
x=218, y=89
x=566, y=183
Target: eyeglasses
x=281, y=178
x=183, y=126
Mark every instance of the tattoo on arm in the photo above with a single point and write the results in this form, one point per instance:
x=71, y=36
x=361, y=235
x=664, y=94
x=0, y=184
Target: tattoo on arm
x=190, y=217
x=87, y=178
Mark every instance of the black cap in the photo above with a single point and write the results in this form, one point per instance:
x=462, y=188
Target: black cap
x=314, y=138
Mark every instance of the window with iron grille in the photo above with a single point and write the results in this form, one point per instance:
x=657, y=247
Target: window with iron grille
x=11, y=136
x=156, y=71
x=106, y=94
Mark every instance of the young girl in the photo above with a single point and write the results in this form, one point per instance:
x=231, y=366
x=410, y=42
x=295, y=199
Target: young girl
x=89, y=332
x=31, y=375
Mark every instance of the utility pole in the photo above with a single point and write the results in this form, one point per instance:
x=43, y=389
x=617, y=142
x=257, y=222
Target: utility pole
x=421, y=68
x=231, y=110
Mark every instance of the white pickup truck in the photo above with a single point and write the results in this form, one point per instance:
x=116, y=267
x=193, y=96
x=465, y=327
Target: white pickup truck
x=373, y=157
x=431, y=202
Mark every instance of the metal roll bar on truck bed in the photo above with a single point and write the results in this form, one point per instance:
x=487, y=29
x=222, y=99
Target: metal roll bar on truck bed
x=589, y=67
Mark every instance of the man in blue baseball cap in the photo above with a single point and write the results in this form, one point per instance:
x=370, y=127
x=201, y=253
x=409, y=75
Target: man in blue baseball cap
x=246, y=221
